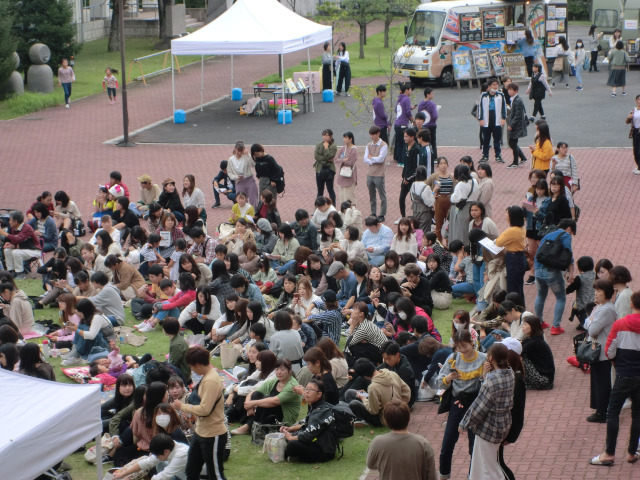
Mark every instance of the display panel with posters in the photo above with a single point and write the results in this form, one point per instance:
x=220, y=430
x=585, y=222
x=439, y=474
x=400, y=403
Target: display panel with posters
x=470, y=27
x=497, y=62
x=462, y=65
x=481, y=63
x=515, y=66
x=493, y=24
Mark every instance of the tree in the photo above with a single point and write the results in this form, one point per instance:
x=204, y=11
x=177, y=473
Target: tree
x=7, y=43
x=330, y=13
x=44, y=21
x=114, y=30
x=364, y=12
x=396, y=8
x=165, y=37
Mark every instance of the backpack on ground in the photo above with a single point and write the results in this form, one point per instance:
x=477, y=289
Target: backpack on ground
x=344, y=419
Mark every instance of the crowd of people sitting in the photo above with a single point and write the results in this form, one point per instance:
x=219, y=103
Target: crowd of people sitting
x=283, y=294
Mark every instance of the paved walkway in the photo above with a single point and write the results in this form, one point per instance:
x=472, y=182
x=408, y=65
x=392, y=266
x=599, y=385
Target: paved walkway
x=62, y=149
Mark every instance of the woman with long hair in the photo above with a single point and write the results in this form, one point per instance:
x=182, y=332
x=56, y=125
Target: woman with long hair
x=512, y=239
x=63, y=338
x=267, y=208
x=324, y=154
x=594, y=41
x=337, y=359
x=537, y=91
x=537, y=357
x=405, y=240
x=345, y=162
x=193, y=196
x=344, y=69
x=465, y=192
x=562, y=71
x=542, y=150
x=529, y=48
x=240, y=171
x=122, y=399
x=33, y=364
x=170, y=199
x=200, y=315
x=558, y=208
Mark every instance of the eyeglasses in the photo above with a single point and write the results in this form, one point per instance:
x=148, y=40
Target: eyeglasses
x=311, y=390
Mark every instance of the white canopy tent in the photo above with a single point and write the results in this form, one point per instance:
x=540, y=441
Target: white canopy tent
x=43, y=422
x=251, y=27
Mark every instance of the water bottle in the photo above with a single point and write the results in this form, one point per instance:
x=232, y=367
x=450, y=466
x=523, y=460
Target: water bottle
x=45, y=348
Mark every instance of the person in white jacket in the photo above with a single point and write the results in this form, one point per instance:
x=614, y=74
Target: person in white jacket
x=578, y=62
x=200, y=315
x=168, y=457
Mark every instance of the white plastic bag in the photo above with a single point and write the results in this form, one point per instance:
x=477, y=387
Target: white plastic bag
x=274, y=445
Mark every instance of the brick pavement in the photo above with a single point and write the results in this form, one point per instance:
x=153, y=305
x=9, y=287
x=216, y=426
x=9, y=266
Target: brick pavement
x=58, y=149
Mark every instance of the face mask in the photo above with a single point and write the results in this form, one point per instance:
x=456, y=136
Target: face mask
x=459, y=326
x=391, y=309
x=493, y=90
x=579, y=45
x=163, y=420
x=402, y=315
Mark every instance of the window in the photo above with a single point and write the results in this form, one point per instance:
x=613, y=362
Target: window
x=425, y=28
x=606, y=18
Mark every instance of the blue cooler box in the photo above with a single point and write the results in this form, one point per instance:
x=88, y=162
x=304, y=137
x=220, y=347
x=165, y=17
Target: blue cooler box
x=179, y=116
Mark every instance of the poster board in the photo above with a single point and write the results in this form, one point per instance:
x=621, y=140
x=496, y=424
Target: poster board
x=482, y=63
x=514, y=64
x=497, y=62
x=493, y=24
x=462, y=65
x=470, y=27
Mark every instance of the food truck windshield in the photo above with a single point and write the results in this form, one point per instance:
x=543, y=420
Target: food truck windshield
x=425, y=28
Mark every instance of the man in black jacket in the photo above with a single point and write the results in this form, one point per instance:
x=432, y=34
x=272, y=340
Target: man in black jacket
x=416, y=287
x=409, y=169
x=267, y=169
x=517, y=124
x=394, y=361
x=314, y=439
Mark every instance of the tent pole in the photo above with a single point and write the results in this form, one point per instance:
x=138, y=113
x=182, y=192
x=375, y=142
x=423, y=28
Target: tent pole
x=99, y=456
x=333, y=87
x=173, y=92
x=284, y=106
x=309, y=86
x=231, y=72
x=201, y=82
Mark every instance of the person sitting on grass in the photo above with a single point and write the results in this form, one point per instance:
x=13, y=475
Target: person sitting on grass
x=33, y=364
x=312, y=440
x=396, y=362
x=150, y=254
x=171, y=307
x=19, y=308
x=163, y=449
x=125, y=277
x=142, y=305
x=200, y=315
x=177, y=347
x=108, y=299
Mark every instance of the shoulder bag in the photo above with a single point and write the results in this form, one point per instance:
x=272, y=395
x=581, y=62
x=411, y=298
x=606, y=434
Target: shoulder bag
x=460, y=205
x=558, y=64
x=346, y=172
x=447, y=397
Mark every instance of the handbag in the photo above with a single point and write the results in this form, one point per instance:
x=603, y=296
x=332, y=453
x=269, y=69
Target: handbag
x=545, y=229
x=558, y=64
x=259, y=431
x=346, y=172
x=586, y=63
x=588, y=352
x=474, y=111
x=447, y=396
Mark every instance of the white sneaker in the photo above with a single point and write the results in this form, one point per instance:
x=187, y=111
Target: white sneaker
x=147, y=328
x=72, y=362
x=636, y=171
x=627, y=404
x=140, y=325
x=66, y=105
x=397, y=221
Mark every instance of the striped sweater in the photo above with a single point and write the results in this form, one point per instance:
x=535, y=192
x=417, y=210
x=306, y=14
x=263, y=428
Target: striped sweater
x=470, y=373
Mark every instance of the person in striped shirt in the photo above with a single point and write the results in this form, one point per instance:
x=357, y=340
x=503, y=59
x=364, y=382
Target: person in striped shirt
x=330, y=318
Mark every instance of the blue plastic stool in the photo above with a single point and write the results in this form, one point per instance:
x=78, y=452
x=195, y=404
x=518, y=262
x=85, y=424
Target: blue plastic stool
x=179, y=116
x=327, y=96
x=236, y=94
x=285, y=116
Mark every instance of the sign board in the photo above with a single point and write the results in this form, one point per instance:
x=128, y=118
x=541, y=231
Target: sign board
x=470, y=27
x=314, y=83
x=493, y=24
x=482, y=64
x=462, y=65
x=631, y=24
x=497, y=62
x=514, y=64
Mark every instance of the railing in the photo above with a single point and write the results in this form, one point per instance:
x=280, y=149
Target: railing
x=138, y=61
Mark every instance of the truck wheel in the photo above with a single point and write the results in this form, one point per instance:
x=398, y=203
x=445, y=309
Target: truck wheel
x=446, y=79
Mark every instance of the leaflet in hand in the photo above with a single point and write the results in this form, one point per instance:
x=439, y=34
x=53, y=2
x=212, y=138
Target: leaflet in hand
x=528, y=206
x=490, y=245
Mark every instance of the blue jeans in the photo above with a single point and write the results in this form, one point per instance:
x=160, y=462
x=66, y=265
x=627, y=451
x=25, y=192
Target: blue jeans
x=578, y=69
x=66, y=87
x=478, y=276
x=113, y=320
x=491, y=339
x=162, y=314
x=230, y=195
x=550, y=279
x=451, y=436
x=623, y=388
x=281, y=269
x=134, y=208
x=464, y=288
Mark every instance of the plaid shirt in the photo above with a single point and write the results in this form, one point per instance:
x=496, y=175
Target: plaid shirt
x=489, y=416
x=206, y=250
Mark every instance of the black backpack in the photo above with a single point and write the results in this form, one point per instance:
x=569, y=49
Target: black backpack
x=344, y=419
x=280, y=180
x=78, y=228
x=552, y=254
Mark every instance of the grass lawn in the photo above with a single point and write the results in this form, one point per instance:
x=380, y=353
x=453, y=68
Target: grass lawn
x=375, y=55
x=89, y=68
x=246, y=459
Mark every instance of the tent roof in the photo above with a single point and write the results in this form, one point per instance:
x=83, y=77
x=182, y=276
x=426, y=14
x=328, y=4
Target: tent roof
x=253, y=27
x=43, y=422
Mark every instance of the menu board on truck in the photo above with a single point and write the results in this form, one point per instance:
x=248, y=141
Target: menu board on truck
x=493, y=24
x=481, y=63
x=497, y=62
x=462, y=65
x=514, y=64
x=470, y=27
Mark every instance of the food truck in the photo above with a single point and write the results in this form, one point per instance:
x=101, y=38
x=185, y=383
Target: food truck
x=471, y=39
x=623, y=15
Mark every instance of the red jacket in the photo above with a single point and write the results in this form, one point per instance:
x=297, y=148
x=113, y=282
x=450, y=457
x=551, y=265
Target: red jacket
x=25, y=238
x=181, y=299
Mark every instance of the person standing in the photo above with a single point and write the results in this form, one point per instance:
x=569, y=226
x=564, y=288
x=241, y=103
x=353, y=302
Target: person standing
x=513, y=241
x=345, y=162
x=66, y=77
x=267, y=170
x=403, y=119
x=564, y=56
x=399, y=453
x=409, y=165
x=489, y=416
x=430, y=111
x=344, y=69
x=324, y=154
x=528, y=46
x=593, y=41
x=578, y=62
x=375, y=155
x=538, y=87
x=442, y=183
x=210, y=438
x=240, y=164
x=380, y=117
x=517, y=126
x=492, y=114
x=634, y=119
x=623, y=346
x=326, y=67
x=618, y=61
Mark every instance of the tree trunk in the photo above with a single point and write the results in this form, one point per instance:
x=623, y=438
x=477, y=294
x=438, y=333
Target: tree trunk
x=362, y=37
x=365, y=34
x=114, y=31
x=387, y=24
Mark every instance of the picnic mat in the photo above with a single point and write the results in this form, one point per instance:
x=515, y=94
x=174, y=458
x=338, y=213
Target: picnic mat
x=81, y=375
x=30, y=335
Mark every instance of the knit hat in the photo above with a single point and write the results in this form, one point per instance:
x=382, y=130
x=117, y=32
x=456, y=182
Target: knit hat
x=264, y=225
x=117, y=191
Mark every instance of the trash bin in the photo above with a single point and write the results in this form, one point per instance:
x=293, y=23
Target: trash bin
x=179, y=116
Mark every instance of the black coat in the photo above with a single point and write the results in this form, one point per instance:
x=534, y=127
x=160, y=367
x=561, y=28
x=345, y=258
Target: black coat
x=267, y=167
x=318, y=428
x=171, y=201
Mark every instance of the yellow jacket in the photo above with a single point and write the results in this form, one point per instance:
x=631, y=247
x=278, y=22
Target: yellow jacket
x=542, y=155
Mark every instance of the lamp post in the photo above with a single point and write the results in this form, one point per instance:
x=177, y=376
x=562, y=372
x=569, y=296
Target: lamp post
x=125, y=110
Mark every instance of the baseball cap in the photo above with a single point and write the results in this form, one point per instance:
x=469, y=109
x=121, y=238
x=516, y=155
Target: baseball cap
x=335, y=268
x=144, y=178
x=329, y=295
x=512, y=344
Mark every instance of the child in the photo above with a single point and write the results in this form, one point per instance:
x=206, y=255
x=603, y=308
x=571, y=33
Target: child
x=307, y=334
x=173, y=267
x=177, y=391
x=456, y=248
x=464, y=268
x=177, y=347
x=154, y=218
x=431, y=244
x=417, y=230
x=583, y=286
x=223, y=184
x=242, y=209
x=66, y=77
x=225, y=322
x=142, y=306
x=150, y=254
x=221, y=251
x=174, y=304
x=266, y=277
x=111, y=83
x=462, y=321
x=102, y=206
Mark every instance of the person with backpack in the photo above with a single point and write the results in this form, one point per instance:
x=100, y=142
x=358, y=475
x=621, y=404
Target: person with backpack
x=314, y=439
x=268, y=171
x=549, y=271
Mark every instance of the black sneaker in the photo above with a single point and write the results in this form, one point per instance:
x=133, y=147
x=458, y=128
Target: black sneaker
x=215, y=205
x=106, y=458
x=381, y=219
x=522, y=160
x=531, y=280
x=513, y=165
x=580, y=328
x=499, y=159
x=484, y=159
